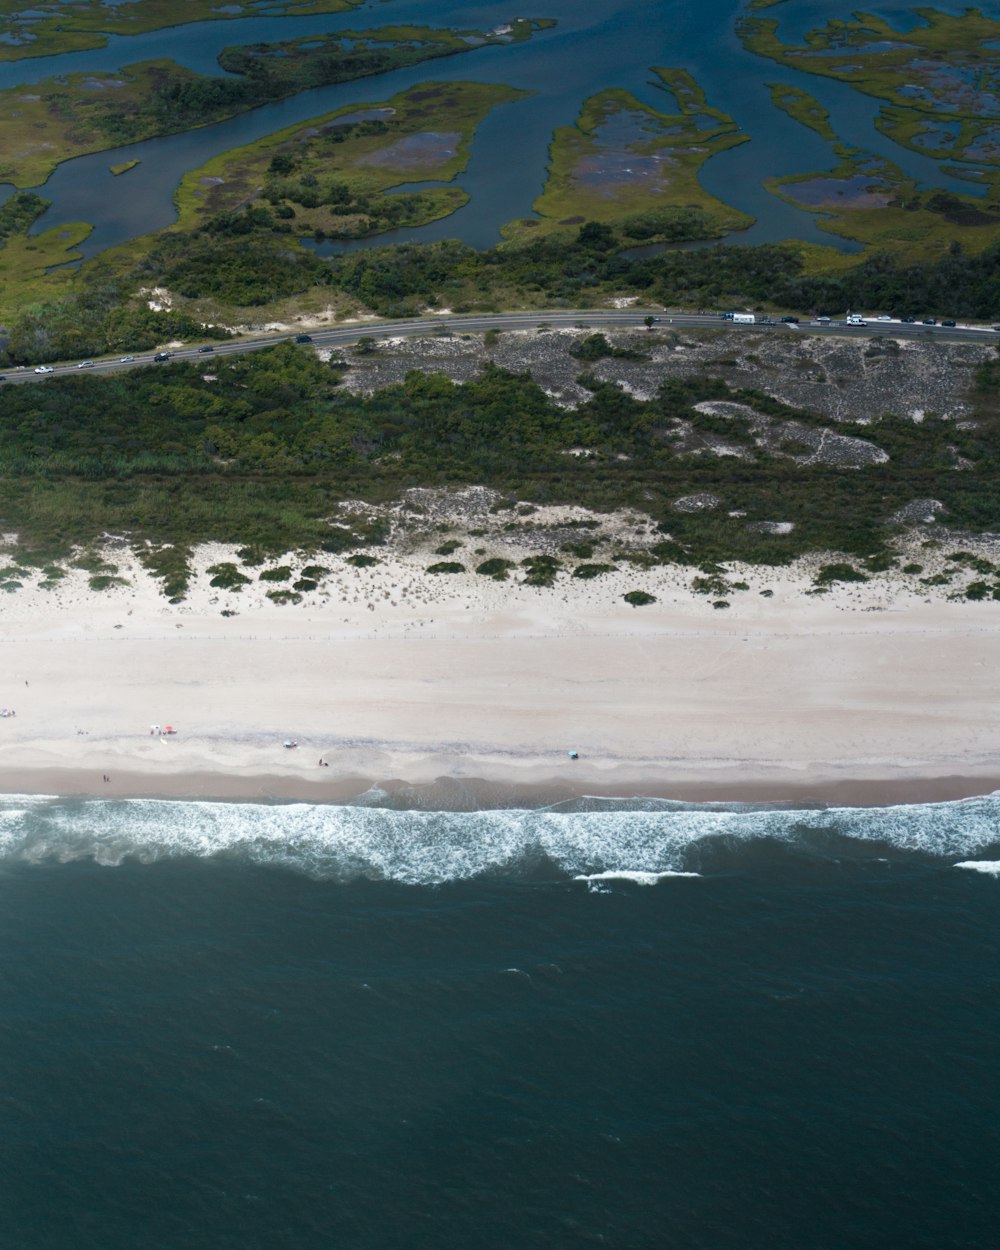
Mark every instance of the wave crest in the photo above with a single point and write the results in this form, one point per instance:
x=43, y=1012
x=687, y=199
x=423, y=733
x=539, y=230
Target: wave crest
x=647, y=840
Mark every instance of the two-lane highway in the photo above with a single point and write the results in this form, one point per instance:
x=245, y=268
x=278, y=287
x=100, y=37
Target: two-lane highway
x=477, y=323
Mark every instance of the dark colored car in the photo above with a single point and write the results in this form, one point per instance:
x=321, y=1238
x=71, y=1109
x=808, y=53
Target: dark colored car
x=791, y=321
x=3, y=377
x=725, y=316
x=947, y=323
x=929, y=321
x=303, y=338
x=203, y=350
x=162, y=356
x=907, y=321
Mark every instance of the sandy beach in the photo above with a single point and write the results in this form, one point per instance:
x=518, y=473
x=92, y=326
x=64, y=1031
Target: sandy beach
x=474, y=691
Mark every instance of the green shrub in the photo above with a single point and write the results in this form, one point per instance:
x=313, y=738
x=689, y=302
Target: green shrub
x=362, y=561
x=104, y=581
x=227, y=577
x=304, y=583
x=446, y=566
x=280, y=574
x=448, y=548
x=639, y=598
x=583, y=551
x=592, y=570
x=542, y=570
x=496, y=568
x=838, y=573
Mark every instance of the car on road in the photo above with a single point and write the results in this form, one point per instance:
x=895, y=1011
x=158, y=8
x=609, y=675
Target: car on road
x=883, y=317
x=85, y=364
x=950, y=324
x=303, y=338
x=823, y=321
x=929, y=321
x=726, y=316
x=790, y=321
x=44, y=369
x=203, y=350
x=908, y=321
x=996, y=329
x=162, y=356
x=124, y=360
x=3, y=377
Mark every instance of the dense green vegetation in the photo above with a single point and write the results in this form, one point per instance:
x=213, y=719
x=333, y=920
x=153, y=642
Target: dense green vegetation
x=263, y=452
x=260, y=266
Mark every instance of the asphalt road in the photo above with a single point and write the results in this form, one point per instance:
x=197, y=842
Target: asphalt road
x=581, y=319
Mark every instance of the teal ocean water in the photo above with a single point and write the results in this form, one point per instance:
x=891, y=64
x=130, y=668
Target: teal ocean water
x=621, y=1023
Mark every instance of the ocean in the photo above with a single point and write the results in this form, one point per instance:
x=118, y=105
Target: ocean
x=632, y=1024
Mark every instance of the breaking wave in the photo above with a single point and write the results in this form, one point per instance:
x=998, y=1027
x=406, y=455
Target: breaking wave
x=643, y=840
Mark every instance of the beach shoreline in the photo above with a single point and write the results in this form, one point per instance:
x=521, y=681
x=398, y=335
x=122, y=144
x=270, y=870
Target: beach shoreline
x=449, y=793
x=469, y=693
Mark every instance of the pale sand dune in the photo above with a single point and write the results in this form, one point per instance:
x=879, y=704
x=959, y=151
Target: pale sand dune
x=397, y=676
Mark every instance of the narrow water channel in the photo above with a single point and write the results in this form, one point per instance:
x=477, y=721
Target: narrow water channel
x=596, y=44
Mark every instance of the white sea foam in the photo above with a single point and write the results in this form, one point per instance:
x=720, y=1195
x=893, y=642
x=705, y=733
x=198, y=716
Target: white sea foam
x=640, y=878
x=990, y=866
x=602, y=842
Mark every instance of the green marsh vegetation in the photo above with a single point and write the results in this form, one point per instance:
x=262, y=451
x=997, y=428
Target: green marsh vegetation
x=939, y=81
x=636, y=167
x=59, y=118
x=265, y=456
x=48, y=27
x=869, y=199
x=803, y=107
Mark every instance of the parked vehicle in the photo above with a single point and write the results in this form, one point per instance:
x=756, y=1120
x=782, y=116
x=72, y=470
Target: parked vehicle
x=928, y=321
x=790, y=321
x=744, y=319
x=948, y=323
x=855, y=319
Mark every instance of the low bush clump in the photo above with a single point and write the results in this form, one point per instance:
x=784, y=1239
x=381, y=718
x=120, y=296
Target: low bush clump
x=838, y=573
x=361, y=561
x=639, y=598
x=227, y=577
x=281, y=574
x=496, y=568
x=542, y=570
x=446, y=566
x=592, y=570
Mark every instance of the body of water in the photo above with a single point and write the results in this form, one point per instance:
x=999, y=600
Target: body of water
x=628, y=1024
x=596, y=44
